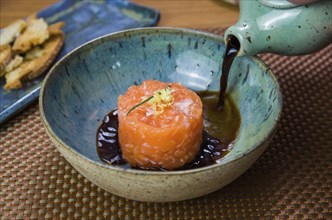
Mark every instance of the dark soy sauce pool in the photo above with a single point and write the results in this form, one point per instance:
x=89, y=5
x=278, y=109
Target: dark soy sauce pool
x=220, y=130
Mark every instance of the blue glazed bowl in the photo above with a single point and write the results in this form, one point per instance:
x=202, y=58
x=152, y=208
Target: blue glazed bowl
x=83, y=87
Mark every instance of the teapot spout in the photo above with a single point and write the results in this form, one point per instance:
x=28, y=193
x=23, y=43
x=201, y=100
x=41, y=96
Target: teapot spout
x=239, y=37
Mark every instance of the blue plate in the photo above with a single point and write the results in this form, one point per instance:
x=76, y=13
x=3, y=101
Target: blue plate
x=85, y=20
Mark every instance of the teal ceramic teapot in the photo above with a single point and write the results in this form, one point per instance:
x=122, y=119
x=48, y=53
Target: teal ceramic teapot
x=281, y=27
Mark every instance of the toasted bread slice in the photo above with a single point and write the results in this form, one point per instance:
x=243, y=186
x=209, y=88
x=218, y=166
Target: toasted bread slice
x=40, y=60
x=5, y=57
x=35, y=34
x=9, y=33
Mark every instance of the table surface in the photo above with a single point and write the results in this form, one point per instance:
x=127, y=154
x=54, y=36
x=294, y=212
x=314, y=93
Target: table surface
x=177, y=13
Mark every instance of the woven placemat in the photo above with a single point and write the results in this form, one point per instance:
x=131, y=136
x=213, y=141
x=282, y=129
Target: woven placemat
x=291, y=180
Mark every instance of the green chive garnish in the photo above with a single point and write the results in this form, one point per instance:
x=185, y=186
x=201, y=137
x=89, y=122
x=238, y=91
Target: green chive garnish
x=139, y=104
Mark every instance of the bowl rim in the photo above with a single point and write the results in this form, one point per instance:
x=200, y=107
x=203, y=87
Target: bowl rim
x=116, y=168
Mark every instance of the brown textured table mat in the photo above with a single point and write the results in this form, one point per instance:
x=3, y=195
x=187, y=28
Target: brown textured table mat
x=291, y=180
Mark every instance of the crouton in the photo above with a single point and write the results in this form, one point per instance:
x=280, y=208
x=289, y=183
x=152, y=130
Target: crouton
x=5, y=57
x=9, y=33
x=55, y=29
x=35, y=34
x=14, y=63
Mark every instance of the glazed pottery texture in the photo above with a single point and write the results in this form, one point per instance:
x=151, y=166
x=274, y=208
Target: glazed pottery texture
x=83, y=87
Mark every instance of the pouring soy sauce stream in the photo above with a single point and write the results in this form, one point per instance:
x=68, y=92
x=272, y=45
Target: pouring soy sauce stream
x=232, y=49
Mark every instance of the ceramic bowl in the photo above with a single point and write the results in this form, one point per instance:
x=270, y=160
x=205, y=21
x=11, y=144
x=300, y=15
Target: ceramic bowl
x=83, y=87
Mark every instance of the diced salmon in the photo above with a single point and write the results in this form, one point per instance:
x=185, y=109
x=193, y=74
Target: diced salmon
x=168, y=140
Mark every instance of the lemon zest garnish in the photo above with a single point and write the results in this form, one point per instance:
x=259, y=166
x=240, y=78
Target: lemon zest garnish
x=159, y=100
